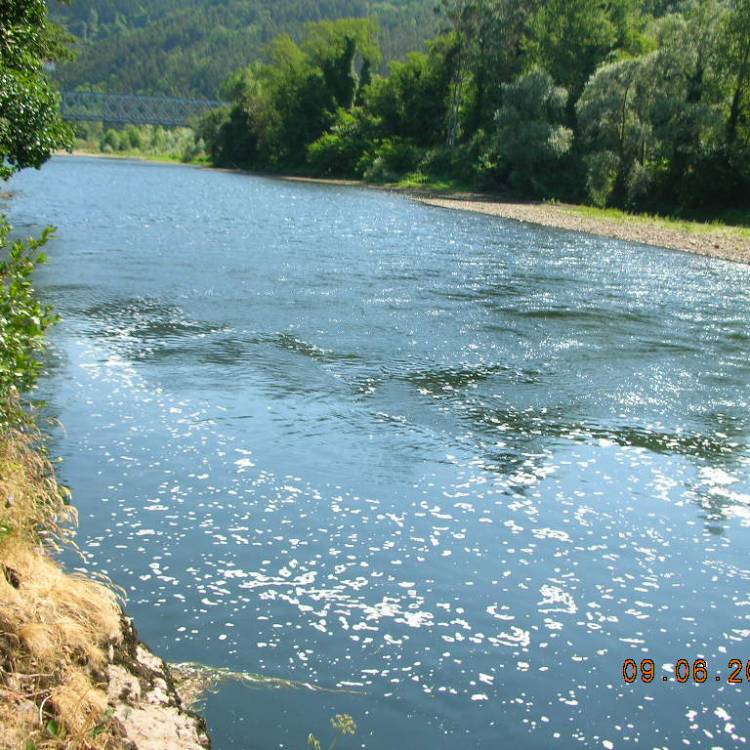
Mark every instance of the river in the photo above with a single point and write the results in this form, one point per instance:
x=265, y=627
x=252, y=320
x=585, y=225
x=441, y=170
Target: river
x=453, y=469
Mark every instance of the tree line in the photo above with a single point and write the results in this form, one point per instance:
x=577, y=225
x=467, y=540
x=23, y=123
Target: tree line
x=643, y=105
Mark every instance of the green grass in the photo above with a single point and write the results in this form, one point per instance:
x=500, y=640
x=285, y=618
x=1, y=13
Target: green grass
x=161, y=156
x=734, y=222
x=420, y=181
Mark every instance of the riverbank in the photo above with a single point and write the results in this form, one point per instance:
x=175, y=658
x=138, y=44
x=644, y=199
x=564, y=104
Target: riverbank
x=74, y=673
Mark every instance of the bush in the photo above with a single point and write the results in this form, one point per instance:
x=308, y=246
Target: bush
x=23, y=318
x=462, y=162
x=131, y=138
x=602, y=169
x=391, y=159
x=110, y=141
x=340, y=150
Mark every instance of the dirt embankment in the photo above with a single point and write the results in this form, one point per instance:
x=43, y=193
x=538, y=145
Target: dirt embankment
x=73, y=674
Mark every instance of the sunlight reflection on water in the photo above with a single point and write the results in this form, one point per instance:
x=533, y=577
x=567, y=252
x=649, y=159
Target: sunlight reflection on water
x=462, y=465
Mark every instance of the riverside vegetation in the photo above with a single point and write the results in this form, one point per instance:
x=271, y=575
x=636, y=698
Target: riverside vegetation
x=141, y=141
x=643, y=106
x=188, y=47
x=55, y=627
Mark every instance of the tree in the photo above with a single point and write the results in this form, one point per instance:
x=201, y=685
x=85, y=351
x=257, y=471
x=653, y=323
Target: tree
x=495, y=55
x=286, y=103
x=569, y=38
x=531, y=138
x=688, y=101
x=462, y=16
x=412, y=102
x=346, y=51
x=30, y=128
x=614, y=119
x=30, y=123
x=23, y=318
x=735, y=62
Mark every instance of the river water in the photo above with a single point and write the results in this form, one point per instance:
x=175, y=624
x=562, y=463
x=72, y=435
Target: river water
x=453, y=469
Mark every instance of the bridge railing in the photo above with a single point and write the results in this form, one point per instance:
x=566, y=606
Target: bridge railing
x=131, y=109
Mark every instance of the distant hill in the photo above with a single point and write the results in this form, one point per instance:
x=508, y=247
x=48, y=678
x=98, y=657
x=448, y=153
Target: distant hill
x=188, y=47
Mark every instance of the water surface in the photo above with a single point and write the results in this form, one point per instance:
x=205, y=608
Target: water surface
x=458, y=466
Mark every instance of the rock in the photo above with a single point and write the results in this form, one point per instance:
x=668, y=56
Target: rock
x=147, y=708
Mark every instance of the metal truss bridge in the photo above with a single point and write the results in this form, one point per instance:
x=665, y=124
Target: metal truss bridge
x=130, y=109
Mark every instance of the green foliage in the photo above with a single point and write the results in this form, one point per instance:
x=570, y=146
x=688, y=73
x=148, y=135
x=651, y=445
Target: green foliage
x=632, y=104
x=734, y=65
x=614, y=118
x=570, y=38
x=662, y=128
x=412, y=101
x=283, y=105
x=341, y=150
x=389, y=159
x=531, y=138
x=150, y=141
x=602, y=171
x=30, y=128
x=343, y=724
x=24, y=319
x=30, y=124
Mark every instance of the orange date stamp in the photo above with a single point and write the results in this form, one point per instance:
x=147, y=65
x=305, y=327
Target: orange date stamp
x=696, y=672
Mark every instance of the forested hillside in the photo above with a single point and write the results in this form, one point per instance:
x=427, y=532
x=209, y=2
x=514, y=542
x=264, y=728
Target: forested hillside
x=188, y=47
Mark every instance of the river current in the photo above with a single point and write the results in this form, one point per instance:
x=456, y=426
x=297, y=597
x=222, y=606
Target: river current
x=453, y=470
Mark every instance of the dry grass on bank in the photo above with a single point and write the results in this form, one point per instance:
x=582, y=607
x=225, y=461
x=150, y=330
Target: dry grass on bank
x=55, y=627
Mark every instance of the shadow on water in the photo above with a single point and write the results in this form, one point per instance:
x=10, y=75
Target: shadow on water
x=441, y=380
x=291, y=343
x=146, y=319
x=543, y=425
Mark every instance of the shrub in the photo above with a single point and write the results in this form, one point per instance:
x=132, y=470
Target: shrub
x=131, y=138
x=339, y=151
x=23, y=318
x=110, y=141
x=602, y=169
x=391, y=159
